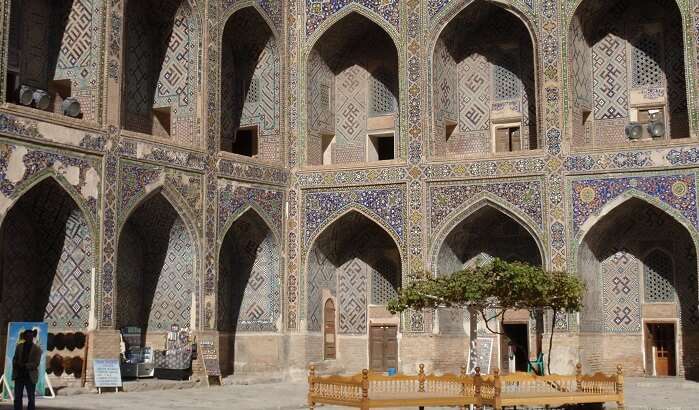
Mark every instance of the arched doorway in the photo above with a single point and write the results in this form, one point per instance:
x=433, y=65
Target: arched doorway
x=250, y=87
x=640, y=268
x=356, y=262
x=484, y=84
x=155, y=270
x=481, y=236
x=352, y=96
x=249, y=296
x=47, y=256
x=626, y=62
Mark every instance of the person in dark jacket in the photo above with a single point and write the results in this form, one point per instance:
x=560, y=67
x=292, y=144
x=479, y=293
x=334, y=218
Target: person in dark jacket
x=25, y=369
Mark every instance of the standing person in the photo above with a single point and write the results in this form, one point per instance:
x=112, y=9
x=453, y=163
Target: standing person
x=25, y=369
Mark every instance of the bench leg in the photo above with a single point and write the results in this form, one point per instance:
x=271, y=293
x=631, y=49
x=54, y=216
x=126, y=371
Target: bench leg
x=311, y=405
x=620, y=405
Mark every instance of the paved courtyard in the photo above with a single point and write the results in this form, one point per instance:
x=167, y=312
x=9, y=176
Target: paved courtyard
x=640, y=394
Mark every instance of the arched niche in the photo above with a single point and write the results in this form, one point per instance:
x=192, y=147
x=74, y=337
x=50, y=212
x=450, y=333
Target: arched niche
x=352, y=97
x=250, y=87
x=155, y=268
x=358, y=263
x=54, y=47
x=626, y=58
x=639, y=266
x=161, y=83
x=484, y=97
x=483, y=235
x=47, y=254
x=249, y=287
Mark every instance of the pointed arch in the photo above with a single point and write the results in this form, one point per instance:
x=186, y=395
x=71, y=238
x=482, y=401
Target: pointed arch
x=240, y=5
x=346, y=262
x=346, y=11
x=239, y=214
x=168, y=256
x=617, y=202
x=523, y=64
x=579, y=127
x=375, y=89
x=469, y=209
x=25, y=186
x=48, y=251
x=365, y=212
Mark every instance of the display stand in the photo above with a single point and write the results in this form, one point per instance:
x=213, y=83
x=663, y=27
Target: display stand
x=209, y=358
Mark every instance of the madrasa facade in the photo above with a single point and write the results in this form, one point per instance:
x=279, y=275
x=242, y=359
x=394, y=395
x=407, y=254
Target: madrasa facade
x=269, y=173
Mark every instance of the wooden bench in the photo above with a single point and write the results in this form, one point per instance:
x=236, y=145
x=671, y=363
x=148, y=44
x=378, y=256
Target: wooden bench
x=376, y=390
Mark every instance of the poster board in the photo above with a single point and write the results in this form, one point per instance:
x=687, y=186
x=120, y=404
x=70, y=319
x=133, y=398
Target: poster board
x=481, y=354
x=209, y=357
x=14, y=331
x=107, y=373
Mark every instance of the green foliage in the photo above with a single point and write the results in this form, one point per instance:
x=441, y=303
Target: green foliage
x=498, y=285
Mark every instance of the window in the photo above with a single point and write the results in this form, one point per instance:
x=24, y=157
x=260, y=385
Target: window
x=382, y=100
x=245, y=142
x=508, y=139
x=253, y=95
x=380, y=148
x=659, y=277
x=325, y=97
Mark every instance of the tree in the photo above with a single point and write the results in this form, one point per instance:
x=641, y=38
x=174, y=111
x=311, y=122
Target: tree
x=498, y=287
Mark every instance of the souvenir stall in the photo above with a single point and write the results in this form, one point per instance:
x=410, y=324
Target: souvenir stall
x=136, y=359
x=175, y=362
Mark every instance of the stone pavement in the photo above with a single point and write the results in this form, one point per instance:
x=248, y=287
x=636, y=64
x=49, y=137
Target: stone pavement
x=640, y=394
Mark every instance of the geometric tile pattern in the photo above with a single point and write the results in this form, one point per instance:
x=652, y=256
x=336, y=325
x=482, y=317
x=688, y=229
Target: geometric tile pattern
x=658, y=278
x=264, y=111
x=621, y=293
x=352, y=289
x=676, y=191
x=233, y=197
x=646, y=61
x=155, y=267
x=385, y=280
x=351, y=99
x=474, y=93
x=249, y=280
x=609, y=78
x=48, y=255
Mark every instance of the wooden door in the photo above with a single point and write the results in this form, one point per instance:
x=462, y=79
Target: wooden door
x=383, y=347
x=329, y=349
x=662, y=340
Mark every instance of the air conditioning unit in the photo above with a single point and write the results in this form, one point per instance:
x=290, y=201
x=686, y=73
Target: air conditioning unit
x=71, y=107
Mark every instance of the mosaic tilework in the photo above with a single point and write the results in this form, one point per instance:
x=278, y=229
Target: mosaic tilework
x=676, y=191
x=352, y=293
x=317, y=11
x=38, y=162
x=621, y=278
x=47, y=242
x=134, y=180
x=387, y=204
x=155, y=267
x=234, y=198
x=249, y=279
x=273, y=9
x=525, y=196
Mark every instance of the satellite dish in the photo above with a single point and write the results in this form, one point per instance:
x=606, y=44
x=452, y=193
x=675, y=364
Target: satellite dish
x=656, y=129
x=71, y=107
x=26, y=95
x=634, y=131
x=41, y=99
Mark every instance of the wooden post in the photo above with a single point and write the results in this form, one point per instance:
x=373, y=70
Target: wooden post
x=463, y=386
x=498, y=389
x=421, y=378
x=578, y=377
x=620, y=387
x=311, y=386
x=365, y=389
x=477, y=382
